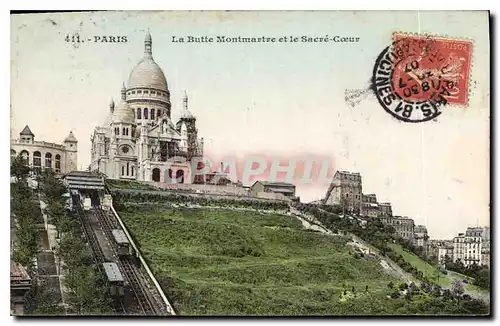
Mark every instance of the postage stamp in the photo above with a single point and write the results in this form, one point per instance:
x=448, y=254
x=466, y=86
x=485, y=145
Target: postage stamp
x=418, y=74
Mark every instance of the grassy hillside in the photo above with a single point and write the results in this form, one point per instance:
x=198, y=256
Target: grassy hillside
x=228, y=262
x=432, y=273
x=223, y=262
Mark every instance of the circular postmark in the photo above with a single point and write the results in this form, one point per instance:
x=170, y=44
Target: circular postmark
x=415, y=76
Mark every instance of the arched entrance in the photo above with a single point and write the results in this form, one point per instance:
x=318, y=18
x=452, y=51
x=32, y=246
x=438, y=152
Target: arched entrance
x=156, y=175
x=37, y=161
x=26, y=157
x=48, y=160
x=58, y=163
x=169, y=176
x=179, y=176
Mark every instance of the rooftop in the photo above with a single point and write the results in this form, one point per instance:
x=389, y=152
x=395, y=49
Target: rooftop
x=26, y=131
x=119, y=236
x=277, y=184
x=281, y=190
x=112, y=272
x=18, y=272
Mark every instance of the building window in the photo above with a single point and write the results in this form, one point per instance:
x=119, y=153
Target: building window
x=127, y=168
x=48, y=160
x=124, y=131
x=58, y=163
x=133, y=92
x=123, y=170
x=37, y=159
x=145, y=113
x=139, y=92
x=153, y=93
x=146, y=92
x=26, y=156
x=139, y=113
x=132, y=171
x=152, y=114
x=156, y=175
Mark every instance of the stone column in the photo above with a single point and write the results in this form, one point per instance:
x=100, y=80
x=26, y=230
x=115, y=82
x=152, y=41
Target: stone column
x=187, y=175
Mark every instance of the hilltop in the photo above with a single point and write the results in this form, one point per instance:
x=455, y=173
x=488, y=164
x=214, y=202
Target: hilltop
x=243, y=259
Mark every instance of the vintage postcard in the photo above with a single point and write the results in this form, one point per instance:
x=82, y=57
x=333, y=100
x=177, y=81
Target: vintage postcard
x=250, y=163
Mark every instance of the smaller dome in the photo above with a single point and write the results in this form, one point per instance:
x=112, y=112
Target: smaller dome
x=186, y=114
x=71, y=138
x=123, y=113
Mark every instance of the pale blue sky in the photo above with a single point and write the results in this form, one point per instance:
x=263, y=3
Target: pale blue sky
x=283, y=99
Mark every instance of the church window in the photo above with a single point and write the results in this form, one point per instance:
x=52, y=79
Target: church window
x=125, y=149
x=145, y=113
x=153, y=93
x=158, y=113
x=127, y=168
x=139, y=92
x=132, y=171
x=139, y=113
x=133, y=92
x=146, y=92
x=124, y=131
x=152, y=114
x=123, y=170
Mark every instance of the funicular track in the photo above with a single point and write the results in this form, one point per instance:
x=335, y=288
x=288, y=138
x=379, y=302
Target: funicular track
x=96, y=250
x=127, y=266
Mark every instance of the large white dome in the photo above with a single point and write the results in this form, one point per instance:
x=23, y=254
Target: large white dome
x=147, y=74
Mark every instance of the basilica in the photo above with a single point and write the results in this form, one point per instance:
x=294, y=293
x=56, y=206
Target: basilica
x=138, y=140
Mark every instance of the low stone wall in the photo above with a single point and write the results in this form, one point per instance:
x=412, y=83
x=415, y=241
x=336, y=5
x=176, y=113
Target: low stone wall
x=194, y=195
x=272, y=196
x=201, y=188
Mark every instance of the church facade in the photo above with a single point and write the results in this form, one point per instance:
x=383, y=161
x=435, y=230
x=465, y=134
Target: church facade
x=138, y=140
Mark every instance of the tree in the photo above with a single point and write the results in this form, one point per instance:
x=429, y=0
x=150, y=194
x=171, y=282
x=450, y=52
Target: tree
x=457, y=287
x=41, y=300
x=483, y=279
x=87, y=294
x=25, y=232
x=51, y=188
x=18, y=168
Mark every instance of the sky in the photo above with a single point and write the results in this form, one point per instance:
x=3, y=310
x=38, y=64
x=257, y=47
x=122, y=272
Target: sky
x=281, y=99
